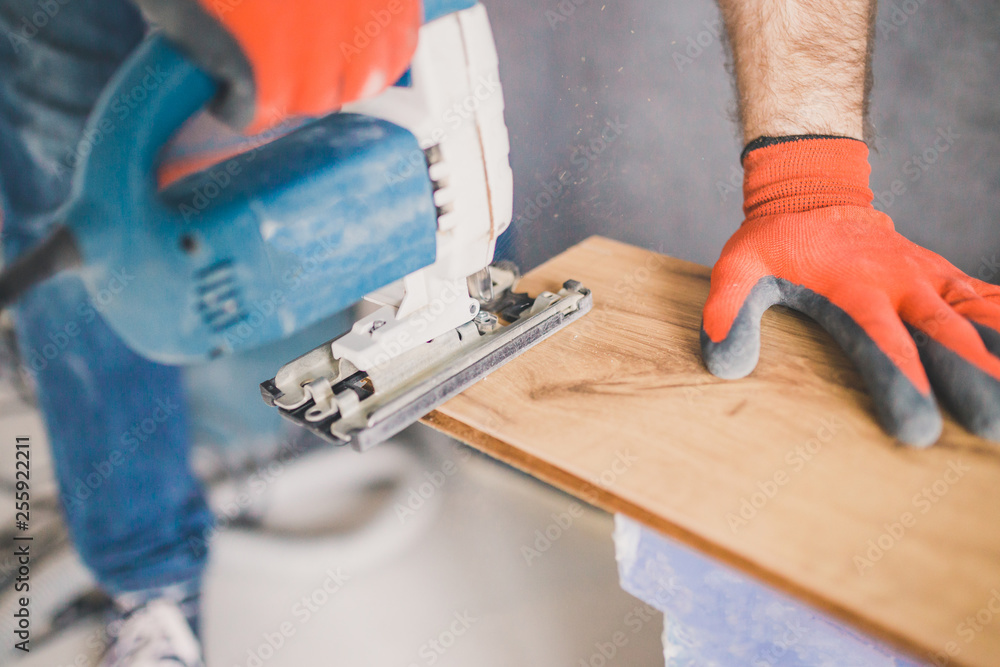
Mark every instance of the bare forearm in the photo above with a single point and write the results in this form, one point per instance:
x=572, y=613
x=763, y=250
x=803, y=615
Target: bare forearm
x=801, y=66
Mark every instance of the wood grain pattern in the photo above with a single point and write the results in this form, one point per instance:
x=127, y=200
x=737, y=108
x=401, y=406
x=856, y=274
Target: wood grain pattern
x=783, y=474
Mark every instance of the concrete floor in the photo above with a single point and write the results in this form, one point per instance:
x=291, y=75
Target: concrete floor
x=449, y=584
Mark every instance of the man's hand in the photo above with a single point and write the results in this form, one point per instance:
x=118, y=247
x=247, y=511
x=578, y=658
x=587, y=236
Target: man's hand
x=910, y=321
x=302, y=57
x=813, y=242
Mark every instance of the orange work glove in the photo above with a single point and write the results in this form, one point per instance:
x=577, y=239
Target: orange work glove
x=281, y=58
x=907, y=318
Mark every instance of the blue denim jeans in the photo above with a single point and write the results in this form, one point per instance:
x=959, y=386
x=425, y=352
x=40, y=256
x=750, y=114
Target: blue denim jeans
x=117, y=424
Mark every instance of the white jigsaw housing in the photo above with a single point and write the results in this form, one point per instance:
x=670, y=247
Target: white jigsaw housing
x=454, y=107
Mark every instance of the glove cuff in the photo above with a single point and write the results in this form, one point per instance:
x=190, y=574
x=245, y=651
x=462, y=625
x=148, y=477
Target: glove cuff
x=796, y=174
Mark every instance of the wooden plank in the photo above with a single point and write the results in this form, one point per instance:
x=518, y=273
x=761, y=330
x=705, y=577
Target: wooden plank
x=784, y=474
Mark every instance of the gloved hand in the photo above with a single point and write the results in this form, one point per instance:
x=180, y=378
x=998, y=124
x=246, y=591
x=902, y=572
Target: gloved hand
x=907, y=318
x=300, y=57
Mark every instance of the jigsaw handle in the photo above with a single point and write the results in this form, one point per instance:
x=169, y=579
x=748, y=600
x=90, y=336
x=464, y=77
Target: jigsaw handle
x=143, y=106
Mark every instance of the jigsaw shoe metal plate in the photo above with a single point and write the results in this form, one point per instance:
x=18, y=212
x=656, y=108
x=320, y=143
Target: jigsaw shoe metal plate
x=485, y=344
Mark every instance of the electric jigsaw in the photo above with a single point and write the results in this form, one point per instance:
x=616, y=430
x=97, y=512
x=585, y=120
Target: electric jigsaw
x=397, y=200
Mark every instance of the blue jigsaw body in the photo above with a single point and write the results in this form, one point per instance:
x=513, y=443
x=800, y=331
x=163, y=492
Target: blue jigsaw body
x=255, y=248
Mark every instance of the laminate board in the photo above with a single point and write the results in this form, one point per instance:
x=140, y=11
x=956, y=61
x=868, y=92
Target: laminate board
x=784, y=474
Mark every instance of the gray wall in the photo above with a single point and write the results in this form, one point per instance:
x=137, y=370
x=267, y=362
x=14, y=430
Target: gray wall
x=651, y=76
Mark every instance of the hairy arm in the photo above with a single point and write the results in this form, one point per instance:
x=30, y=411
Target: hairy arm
x=917, y=329
x=801, y=66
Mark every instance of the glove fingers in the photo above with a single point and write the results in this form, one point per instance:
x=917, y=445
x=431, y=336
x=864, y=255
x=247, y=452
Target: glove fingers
x=736, y=355
x=930, y=314
x=990, y=336
x=971, y=395
x=884, y=354
x=985, y=318
x=988, y=291
x=963, y=371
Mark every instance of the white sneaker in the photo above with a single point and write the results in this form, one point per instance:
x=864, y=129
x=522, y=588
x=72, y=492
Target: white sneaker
x=156, y=634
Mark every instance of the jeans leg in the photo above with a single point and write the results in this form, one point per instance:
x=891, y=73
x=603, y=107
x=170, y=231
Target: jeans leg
x=119, y=436
x=116, y=422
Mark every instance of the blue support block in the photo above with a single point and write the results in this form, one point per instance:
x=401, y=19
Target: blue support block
x=715, y=616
